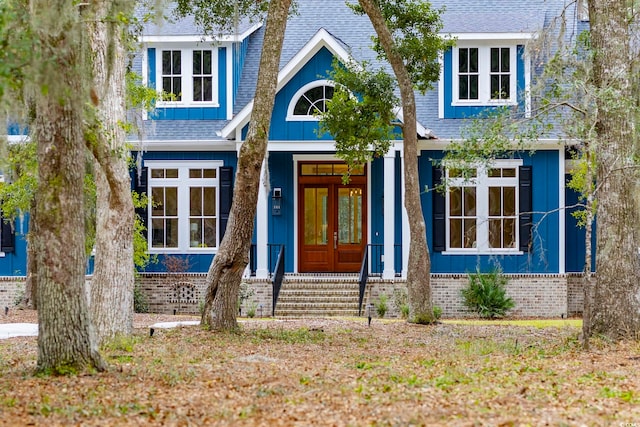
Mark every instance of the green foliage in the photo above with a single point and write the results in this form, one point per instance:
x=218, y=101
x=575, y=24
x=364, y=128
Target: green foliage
x=244, y=293
x=140, y=303
x=216, y=17
x=486, y=295
x=415, y=28
x=381, y=305
x=361, y=113
x=251, y=310
x=141, y=256
x=17, y=45
x=437, y=312
x=401, y=301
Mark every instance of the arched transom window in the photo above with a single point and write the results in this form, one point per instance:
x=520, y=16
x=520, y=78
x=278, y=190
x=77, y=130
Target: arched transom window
x=310, y=100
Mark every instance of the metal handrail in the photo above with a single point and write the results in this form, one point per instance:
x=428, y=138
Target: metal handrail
x=364, y=276
x=277, y=278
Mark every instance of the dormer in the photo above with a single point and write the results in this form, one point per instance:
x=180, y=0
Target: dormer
x=483, y=72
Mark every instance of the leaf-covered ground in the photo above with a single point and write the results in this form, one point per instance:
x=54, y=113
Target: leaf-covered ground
x=332, y=372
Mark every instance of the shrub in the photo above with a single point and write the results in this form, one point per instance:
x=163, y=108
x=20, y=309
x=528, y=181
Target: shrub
x=486, y=294
x=140, y=304
x=401, y=303
x=381, y=305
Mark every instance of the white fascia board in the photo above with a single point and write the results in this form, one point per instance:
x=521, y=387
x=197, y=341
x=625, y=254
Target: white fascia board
x=185, y=145
x=196, y=38
x=15, y=139
x=321, y=39
x=491, y=36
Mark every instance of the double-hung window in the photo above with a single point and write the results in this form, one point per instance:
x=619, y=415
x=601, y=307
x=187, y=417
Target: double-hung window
x=484, y=75
x=186, y=76
x=183, y=207
x=482, y=208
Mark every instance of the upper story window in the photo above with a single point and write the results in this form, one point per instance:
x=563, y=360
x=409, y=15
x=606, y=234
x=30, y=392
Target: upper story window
x=183, y=208
x=186, y=76
x=482, y=208
x=484, y=75
x=310, y=100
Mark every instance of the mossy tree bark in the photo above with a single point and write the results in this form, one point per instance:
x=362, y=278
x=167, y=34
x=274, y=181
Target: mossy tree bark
x=225, y=273
x=616, y=300
x=419, y=265
x=66, y=339
x=111, y=294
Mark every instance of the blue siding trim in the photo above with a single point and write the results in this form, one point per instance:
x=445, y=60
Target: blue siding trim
x=574, y=235
x=281, y=227
x=151, y=70
x=398, y=213
x=544, y=257
x=520, y=81
x=15, y=264
x=376, y=201
x=223, y=81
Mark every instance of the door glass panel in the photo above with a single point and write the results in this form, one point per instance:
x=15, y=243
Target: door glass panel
x=349, y=215
x=315, y=216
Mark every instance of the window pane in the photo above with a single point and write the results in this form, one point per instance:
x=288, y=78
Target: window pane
x=494, y=173
x=195, y=232
x=325, y=169
x=207, y=89
x=177, y=62
x=506, y=59
x=509, y=236
x=509, y=201
x=455, y=233
x=209, y=173
x=172, y=232
x=339, y=169
x=210, y=232
x=166, y=62
x=495, y=202
x=171, y=173
x=157, y=233
x=197, y=62
x=509, y=172
x=197, y=89
x=495, y=60
x=455, y=202
x=195, y=173
x=473, y=87
x=206, y=65
x=463, y=60
x=308, y=169
x=469, y=201
x=195, y=201
x=505, y=85
x=157, y=201
x=177, y=88
x=157, y=173
x=495, y=87
x=302, y=107
x=495, y=233
x=209, y=201
x=166, y=84
x=463, y=87
x=328, y=92
x=315, y=94
x=171, y=201
x=473, y=60
x=469, y=233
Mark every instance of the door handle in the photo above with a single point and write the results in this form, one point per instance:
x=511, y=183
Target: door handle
x=335, y=240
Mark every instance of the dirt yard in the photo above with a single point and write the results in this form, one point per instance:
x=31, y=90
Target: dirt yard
x=333, y=372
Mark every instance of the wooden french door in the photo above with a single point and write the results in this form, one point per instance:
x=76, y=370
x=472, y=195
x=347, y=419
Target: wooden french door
x=332, y=219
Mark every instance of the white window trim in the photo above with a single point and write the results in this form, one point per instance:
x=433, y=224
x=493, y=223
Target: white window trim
x=187, y=75
x=482, y=209
x=484, y=79
x=296, y=96
x=183, y=182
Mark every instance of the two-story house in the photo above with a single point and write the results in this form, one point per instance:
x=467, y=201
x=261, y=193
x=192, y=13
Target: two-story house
x=511, y=214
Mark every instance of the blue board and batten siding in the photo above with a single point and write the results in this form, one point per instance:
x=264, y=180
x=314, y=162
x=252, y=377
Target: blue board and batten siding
x=575, y=235
x=544, y=256
x=192, y=113
x=15, y=263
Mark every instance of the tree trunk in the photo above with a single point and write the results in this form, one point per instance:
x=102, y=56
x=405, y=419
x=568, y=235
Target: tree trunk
x=616, y=304
x=225, y=273
x=113, y=277
x=66, y=339
x=419, y=268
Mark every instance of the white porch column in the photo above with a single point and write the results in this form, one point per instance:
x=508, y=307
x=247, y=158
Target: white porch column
x=406, y=237
x=389, y=214
x=262, y=227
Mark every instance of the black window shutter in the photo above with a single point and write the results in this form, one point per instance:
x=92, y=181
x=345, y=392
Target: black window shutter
x=8, y=236
x=140, y=187
x=226, y=196
x=439, y=224
x=526, y=207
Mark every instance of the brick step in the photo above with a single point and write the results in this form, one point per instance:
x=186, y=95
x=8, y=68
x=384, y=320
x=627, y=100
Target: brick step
x=346, y=302
x=315, y=313
x=318, y=293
